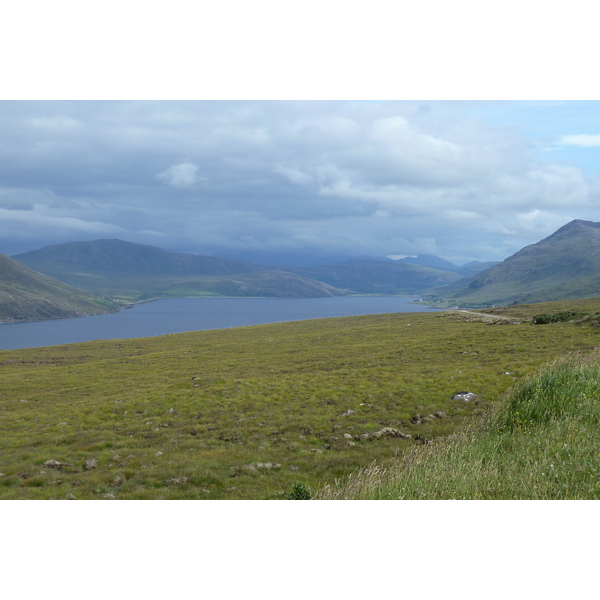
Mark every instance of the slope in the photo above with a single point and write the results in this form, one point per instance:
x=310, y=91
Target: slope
x=26, y=295
x=564, y=265
x=136, y=272
x=378, y=277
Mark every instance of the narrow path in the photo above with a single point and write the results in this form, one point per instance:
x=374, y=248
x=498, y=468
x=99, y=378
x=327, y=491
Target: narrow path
x=470, y=312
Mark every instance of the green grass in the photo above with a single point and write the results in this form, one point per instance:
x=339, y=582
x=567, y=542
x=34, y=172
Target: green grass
x=541, y=442
x=258, y=412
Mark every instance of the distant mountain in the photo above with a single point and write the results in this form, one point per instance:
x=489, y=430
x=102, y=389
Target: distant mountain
x=564, y=265
x=26, y=295
x=378, y=277
x=429, y=260
x=119, y=257
x=282, y=260
x=435, y=262
x=134, y=272
x=474, y=267
x=265, y=284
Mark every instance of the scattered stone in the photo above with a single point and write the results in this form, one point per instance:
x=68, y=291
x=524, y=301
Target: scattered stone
x=70, y=497
x=118, y=480
x=268, y=466
x=53, y=464
x=294, y=468
x=109, y=496
x=23, y=401
x=2, y=474
x=348, y=436
x=63, y=423
x=159, y=453
x=348, y=413
x=391, y=432
x=91, y=463
x=465, y=396
x=177, y=480
x=416, y=420
x=171, y=411
x=440, y=414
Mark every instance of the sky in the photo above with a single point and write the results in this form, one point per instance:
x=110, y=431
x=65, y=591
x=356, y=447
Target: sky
x=464, y=180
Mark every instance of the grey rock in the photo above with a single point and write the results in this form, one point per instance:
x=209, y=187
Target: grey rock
x=171, y=411
x=391, y=432
x=91, y=463
x=177, y=480
x=53, y=464
x=348, y=436
x=465, y=396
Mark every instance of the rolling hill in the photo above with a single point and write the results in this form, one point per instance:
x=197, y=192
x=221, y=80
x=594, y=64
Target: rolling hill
x=378, y=277
x=564, y=265
x=26, y=295
x=134, y=272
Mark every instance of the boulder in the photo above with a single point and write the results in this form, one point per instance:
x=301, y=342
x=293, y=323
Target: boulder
x=465, y=396
x=391, y=432
x=53, y=464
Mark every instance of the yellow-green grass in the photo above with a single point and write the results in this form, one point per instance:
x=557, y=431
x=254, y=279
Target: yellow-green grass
x=256, y=409
x=541, y=442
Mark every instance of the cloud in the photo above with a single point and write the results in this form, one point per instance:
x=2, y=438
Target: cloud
x=181, y=175
x=376, y=178
x=583, y=139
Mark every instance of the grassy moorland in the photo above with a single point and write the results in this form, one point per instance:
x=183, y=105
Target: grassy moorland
x=540, y=443
x=261, y=412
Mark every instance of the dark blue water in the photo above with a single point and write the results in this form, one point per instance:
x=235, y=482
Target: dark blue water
x=192, y=314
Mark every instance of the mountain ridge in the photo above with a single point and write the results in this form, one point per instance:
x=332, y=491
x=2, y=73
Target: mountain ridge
x=564, y=265
x=26, y=295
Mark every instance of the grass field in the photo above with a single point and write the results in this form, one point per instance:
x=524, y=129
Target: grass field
x=259, y=412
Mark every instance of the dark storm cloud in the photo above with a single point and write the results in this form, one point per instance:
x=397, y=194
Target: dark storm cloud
x=374, y=178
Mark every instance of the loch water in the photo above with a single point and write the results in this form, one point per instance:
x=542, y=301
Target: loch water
x=177, y=315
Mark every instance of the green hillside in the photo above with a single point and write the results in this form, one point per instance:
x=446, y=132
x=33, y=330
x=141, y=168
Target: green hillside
x=563, y=265
x=268, y=411
x=26, y=295
x=378, y=277
x=134, y=272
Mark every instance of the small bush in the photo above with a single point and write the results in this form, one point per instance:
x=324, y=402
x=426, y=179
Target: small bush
x=565, y=315
x=300, y=492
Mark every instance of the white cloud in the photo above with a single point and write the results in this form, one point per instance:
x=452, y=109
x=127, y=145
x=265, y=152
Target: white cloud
x=181, y=175
x=377, y=178
x=585, y=140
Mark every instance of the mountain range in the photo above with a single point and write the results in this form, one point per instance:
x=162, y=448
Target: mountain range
x=80, y=278
x=133, y=272
x=565, y=265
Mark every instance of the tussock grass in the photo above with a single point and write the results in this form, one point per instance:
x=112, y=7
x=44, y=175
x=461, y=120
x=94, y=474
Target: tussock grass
x=541, y=442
